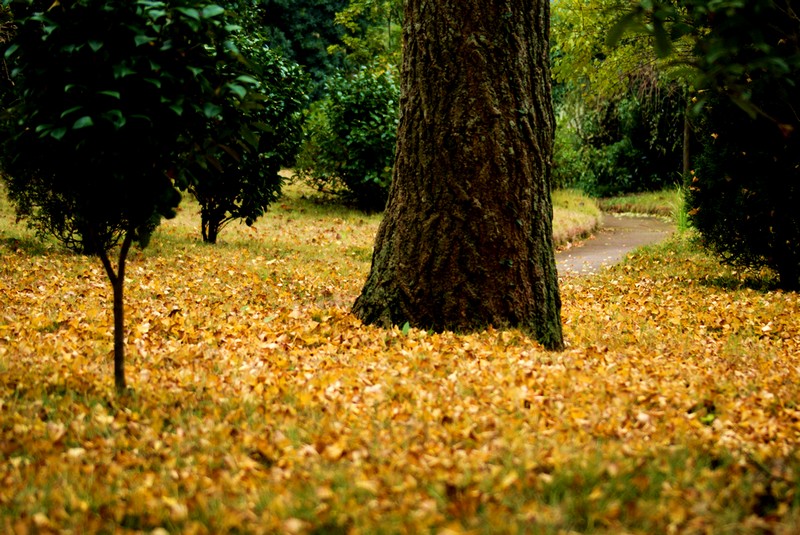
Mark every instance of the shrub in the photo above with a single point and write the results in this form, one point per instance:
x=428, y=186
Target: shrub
x=349, y=139
x=254, y=134
x=744, y=194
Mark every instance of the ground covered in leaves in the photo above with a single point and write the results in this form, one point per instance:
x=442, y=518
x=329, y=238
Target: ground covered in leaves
x=260, y=405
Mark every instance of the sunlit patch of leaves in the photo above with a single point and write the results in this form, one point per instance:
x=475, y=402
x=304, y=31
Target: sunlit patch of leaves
x=259, y=404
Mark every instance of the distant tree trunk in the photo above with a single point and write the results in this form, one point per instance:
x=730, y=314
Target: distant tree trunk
x=687, y=140
x=210, y=225
x=466, y=241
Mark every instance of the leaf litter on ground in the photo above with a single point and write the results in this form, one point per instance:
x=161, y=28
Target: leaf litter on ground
x=260, y=405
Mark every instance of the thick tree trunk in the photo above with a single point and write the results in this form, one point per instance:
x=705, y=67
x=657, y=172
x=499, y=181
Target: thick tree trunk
x=466, y=241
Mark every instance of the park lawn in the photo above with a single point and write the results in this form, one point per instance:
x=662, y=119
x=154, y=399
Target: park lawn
x=575, y=216
x=667, y=203
x=260, y=405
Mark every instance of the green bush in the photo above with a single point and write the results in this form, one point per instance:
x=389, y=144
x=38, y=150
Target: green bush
x=349, y=139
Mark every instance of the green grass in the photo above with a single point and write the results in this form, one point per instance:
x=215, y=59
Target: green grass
x=667, y=202
x=575, y=216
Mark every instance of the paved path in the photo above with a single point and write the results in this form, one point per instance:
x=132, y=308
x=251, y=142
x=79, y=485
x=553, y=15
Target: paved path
x=618, y=235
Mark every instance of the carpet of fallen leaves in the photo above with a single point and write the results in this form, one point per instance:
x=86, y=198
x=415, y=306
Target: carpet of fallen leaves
x=260, y=405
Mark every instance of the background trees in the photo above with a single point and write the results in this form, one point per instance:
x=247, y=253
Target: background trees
x=303, y=30
x=620, y=109
x=100, y=115
x=744, y=193
x=372, y=32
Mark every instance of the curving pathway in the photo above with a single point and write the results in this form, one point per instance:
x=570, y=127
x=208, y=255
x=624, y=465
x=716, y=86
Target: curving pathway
x=618, y=235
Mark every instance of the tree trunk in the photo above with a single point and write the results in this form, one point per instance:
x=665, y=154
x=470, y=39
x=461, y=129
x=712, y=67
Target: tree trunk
x=117, y=285
x=209, y=225
x=687, y=140
x=466, y=241
x=119, y=335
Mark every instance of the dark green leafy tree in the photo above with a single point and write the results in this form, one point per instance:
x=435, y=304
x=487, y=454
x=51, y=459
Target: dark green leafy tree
x=746, y=187
x=304, y=30
x=104, y=102
x=253, y=136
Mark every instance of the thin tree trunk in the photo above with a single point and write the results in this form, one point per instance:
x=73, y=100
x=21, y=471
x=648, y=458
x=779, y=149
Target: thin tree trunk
x=210, y=226
x=466, y=241
x=117, y=285
x=687, y=139
x=204, y=225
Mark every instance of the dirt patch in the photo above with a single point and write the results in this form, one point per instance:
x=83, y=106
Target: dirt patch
x=618, y=235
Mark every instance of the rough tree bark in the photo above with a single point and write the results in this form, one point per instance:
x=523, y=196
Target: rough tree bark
x=466, y=241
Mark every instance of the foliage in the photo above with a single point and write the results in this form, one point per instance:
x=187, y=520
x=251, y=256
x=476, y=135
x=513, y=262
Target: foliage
x=585, y=60
x=620, y=108
x=103, y=100
x=631, y=144
x=278, y=412
x=734, y=44
x=256, y=133
x=348, y=149
x=303, y=30
x=742, y=197
x=372, y=32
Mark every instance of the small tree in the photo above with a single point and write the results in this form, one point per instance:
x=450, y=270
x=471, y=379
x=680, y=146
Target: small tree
x=104, y=101
x=255, y=134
